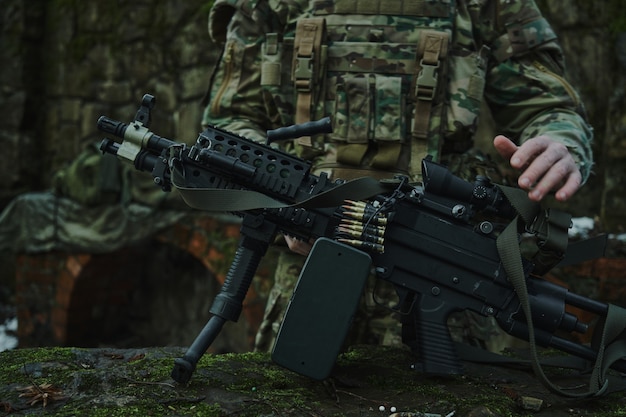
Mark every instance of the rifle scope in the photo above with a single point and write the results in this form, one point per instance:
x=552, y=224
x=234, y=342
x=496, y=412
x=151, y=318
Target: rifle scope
x=482, y=193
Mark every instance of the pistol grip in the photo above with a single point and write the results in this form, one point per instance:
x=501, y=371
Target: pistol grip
x=429, y=337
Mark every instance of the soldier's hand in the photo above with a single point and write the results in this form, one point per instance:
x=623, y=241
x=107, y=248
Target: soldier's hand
x=545, y=166
x=298, y=246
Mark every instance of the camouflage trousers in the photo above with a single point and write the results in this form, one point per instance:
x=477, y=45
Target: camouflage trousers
x=374, y=321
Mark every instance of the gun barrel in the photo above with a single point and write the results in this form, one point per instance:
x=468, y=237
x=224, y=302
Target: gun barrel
x=109, y=146
x=145, y=161
x=233, y=166
x=548, y=339
x=585, y=303
x=111, y=126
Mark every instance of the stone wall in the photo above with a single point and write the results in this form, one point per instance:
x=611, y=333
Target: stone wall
x=68, y=62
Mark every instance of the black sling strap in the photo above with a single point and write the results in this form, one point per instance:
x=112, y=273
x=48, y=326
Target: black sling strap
x=610, y=344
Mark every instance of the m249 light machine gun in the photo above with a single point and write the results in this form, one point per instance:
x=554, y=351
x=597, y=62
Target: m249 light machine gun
x=430, y=241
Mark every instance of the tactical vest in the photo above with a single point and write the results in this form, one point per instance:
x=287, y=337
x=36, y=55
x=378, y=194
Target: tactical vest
x=399, y=78
x=380, y=69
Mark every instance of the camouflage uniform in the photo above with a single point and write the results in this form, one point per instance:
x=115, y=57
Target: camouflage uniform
x=401, y=79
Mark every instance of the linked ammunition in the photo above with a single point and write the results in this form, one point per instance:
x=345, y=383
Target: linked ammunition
x=378, y=219
x=377, y=231
x=363, y=236
x=375, y=247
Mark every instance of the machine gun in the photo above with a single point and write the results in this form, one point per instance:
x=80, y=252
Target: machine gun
x=431, y=241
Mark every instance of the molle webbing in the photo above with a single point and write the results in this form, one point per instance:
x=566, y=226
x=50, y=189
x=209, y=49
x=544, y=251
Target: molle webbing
x=306, y=72
x=521, y=37
x=431, y=51
x=370, y=58
x=270, y=71
x=430, y=8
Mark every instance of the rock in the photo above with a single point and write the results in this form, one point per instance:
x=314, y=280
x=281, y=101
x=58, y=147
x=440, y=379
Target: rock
x=530, y=403
x=482, y=411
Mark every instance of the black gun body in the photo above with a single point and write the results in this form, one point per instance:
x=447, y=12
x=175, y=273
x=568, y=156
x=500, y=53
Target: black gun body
x=438, y=255
x=442, y=266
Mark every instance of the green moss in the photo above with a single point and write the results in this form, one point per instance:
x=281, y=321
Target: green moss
x=268, y=386
x=143, y=408
x=21, y=366
x=252, y=373
x=359, y=354
x=94, y=382
x=133, y=383
x=149, y=366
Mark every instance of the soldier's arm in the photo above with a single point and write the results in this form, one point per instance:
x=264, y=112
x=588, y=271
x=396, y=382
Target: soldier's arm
x=235, y=101
x=535, y=107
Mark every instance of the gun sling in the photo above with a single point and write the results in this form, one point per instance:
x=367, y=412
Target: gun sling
x=611, y=345
x=213, y=199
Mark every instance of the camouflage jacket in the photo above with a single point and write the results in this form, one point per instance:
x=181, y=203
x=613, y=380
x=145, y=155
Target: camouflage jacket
x=371, y=65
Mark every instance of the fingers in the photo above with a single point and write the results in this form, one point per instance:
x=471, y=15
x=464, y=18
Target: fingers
x=540, y=179
x=545, y=166
x=505, y=147
x=570, y=187
x=298, y=246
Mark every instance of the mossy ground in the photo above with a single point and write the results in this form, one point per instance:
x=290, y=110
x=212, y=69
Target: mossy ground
x=103, y=382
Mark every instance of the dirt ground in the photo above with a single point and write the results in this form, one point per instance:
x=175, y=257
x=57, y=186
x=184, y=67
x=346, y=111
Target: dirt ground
x=367, y=381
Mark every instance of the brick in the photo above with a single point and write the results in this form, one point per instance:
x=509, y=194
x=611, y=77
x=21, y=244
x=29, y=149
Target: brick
x=63, y=298
x=65, y=281
x=197, y=244
x=59, y=324
x=75, y=264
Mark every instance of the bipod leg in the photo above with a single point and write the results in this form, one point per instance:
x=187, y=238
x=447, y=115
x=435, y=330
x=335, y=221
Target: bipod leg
x=256, y=235
x=184, y=367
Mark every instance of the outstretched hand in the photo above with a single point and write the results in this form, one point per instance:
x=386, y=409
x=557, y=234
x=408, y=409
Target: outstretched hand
x=545, y=166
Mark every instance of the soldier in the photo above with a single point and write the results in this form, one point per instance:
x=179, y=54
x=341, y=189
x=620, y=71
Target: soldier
x=401, y=80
